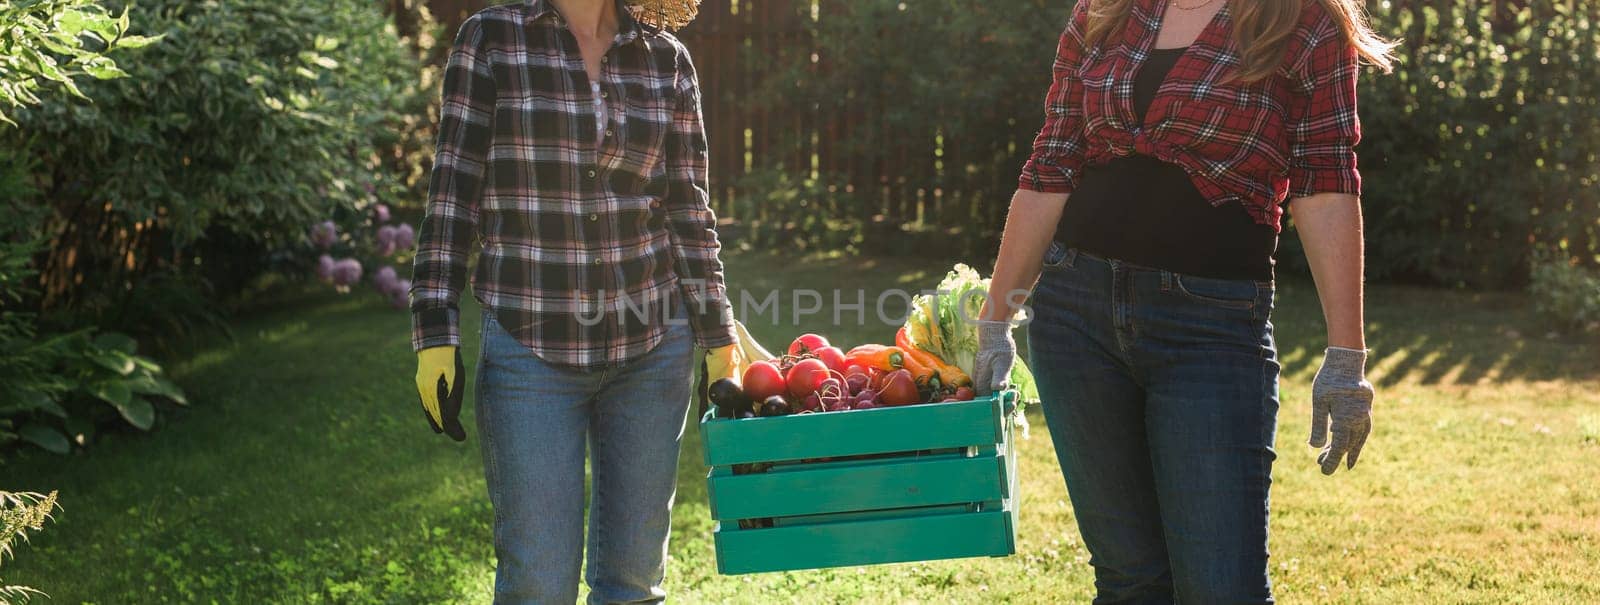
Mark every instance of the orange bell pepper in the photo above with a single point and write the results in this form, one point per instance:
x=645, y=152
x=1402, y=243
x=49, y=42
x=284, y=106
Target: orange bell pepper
x=888, y=359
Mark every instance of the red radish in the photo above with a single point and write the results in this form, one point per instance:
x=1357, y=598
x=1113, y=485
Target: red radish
x=867, y=397
x=832, y=393
x=807, y=343
x=805, y=377
x=831, y=357
x=856, y=383
x=812, y=403
x=965, y=394
x=899, y=389
x=763, y=380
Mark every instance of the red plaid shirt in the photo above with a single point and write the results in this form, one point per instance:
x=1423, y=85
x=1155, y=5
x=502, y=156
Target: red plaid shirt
x=1253, y=143
x=587, y=234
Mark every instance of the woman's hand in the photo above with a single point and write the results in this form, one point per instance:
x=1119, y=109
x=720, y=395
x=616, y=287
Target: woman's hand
x=1341, y=404
x=1341, y=398
x=991, y=369
x=439, y=384
x=724, y=362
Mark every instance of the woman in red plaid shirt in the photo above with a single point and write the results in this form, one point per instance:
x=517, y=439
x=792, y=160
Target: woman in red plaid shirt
x=1149, y=213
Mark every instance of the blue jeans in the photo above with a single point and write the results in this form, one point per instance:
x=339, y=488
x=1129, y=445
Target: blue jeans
x=534, y=420
x=1161, y=394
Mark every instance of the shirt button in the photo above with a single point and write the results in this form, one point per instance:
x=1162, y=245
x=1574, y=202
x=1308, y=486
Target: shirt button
x=591, y=174
x=594, y=217
x=597, y=261
x=605, y=95
x=605, y=59
x=608, y=133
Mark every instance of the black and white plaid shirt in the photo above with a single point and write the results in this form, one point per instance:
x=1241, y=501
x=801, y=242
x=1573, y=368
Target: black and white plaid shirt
x=585, y=243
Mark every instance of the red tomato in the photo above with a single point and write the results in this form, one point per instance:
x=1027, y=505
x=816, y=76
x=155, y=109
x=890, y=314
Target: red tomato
x=965, y=394
x=807, y=343
x=832, y=357
x=805, y=377
x=763, y=380
x=899, y=389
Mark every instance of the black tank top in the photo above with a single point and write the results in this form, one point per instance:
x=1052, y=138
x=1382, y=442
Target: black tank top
x=1145, y=211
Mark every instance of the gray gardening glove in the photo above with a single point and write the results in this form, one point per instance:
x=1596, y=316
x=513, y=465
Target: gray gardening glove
x=1341, y=403
x=991, y=371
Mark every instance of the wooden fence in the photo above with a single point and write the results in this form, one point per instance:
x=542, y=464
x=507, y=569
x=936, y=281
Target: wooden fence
x=910, y=174
x=748, y=136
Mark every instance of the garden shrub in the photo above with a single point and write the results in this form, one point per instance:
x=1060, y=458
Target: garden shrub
x=247, y=122
x=57, y=41
x=59, y=387
x=1566, y=293
x=1483, y=144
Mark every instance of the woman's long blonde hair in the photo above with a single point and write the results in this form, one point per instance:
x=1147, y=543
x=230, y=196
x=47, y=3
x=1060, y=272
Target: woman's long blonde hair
x=1261, y=28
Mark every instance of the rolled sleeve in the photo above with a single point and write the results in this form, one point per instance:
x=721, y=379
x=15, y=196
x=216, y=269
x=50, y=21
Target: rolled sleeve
x=691, y=225
x=1058, y=150
x=1324, y=126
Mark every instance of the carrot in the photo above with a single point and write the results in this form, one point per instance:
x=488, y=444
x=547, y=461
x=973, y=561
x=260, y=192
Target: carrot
x=948, y=374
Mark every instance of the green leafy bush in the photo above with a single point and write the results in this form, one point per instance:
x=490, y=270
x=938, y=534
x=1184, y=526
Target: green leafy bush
x=59, y=387
x=246, y=123
x=1483, y=144
x=57, y=41
x=1566, y=293
x=21, y=513
x=783, y=212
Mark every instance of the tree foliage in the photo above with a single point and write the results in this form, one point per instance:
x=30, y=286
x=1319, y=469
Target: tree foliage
x=57, y=41
x=1482, y=146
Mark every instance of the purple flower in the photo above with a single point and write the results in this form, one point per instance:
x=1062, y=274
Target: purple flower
x=386, y=234
x=380, y=212
x=402, y=294
x=386, y=279
x=324, y=234
x=404, y=237
x=346, y=271
x=325, y=268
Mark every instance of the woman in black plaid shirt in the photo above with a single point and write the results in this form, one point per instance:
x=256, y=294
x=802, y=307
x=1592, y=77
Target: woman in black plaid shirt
x=572, y=157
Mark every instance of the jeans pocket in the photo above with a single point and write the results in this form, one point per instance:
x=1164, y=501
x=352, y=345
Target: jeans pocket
x=1058, y=256
x=1226, y=293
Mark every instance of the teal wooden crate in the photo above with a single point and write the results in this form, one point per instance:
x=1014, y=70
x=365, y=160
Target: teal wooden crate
x=888, y=485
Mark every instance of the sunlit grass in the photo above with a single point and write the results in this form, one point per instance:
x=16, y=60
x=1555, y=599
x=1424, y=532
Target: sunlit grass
x=304, y=472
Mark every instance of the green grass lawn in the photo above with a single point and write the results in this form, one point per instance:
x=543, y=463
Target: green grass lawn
x=304, y=473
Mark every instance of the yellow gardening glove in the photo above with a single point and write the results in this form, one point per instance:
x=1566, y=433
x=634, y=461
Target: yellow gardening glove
x=439, y=383
x=724, y=362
